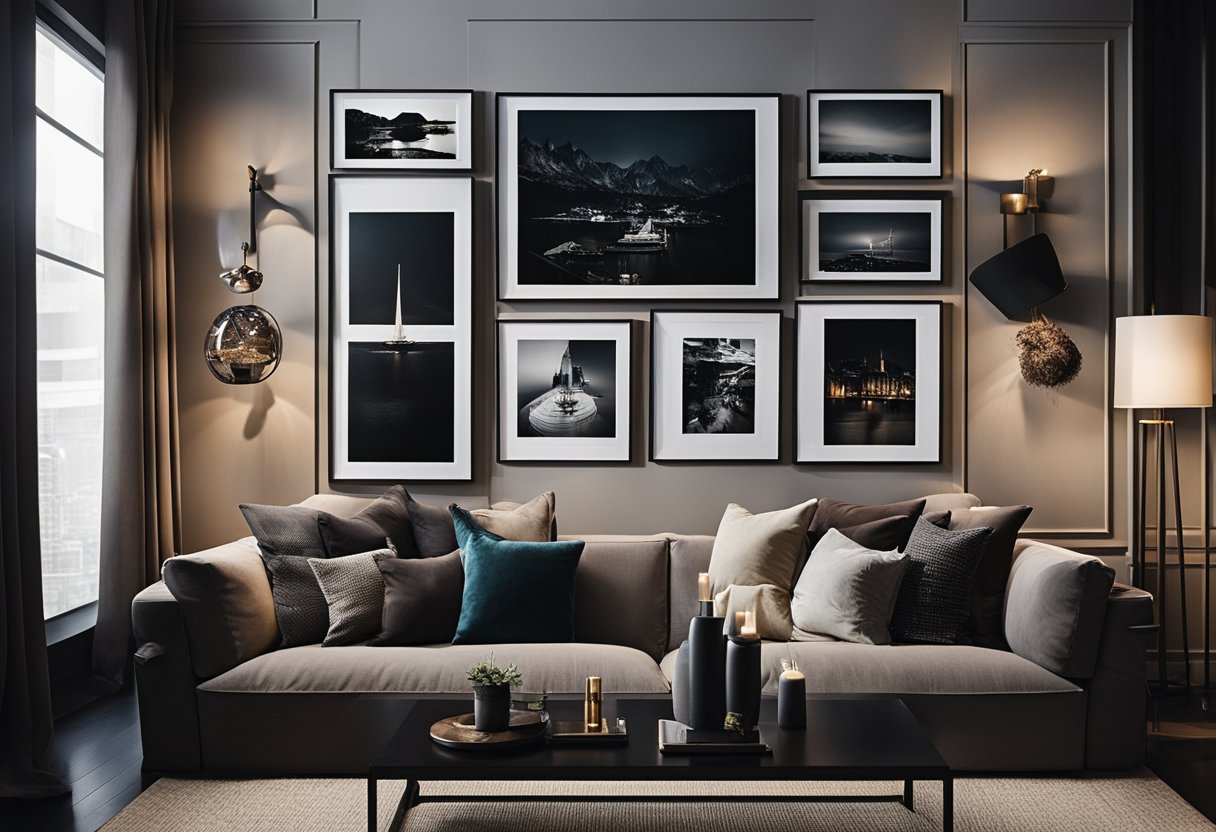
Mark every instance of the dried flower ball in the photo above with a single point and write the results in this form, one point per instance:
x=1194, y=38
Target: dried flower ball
x=1048, y=357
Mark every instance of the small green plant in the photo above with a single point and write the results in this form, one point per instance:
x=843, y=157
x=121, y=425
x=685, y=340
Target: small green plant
x=485, y=672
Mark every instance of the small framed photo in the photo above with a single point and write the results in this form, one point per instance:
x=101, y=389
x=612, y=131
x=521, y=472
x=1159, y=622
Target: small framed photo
x=869, y=381
x=399, y=130
x=638, y=197
x=874, y=133
x=870, y=236
x=564, y=390
x=401, y=359
x=715, y=385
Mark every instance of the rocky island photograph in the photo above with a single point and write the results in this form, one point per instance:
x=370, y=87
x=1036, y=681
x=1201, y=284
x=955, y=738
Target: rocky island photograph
x=402, y=129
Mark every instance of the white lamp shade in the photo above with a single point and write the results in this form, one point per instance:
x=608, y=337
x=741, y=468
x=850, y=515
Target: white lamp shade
x=1163, y=361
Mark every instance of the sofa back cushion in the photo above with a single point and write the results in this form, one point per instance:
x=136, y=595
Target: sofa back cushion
x=225, y=601
x=1055, y=606
x=690, y=555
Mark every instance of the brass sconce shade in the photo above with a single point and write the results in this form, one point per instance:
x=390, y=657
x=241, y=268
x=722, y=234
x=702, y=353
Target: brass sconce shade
x=1021, y=277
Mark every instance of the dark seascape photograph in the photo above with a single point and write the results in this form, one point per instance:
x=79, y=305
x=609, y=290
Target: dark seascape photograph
x=566, y=387
x=878, y=241
x=869, y=382
x=400, y=402
x=401, y=129
x=642, y=197
x=421, y=244
x=875, y=130
x=719, y=385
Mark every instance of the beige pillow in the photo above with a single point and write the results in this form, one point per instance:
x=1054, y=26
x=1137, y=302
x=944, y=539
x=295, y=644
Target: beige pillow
x=533, y=521
x=754, y=549
x=771, y=603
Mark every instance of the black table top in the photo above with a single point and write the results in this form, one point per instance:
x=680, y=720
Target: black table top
x=854, y=739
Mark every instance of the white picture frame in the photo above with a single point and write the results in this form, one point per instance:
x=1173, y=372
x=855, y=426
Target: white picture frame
x=875, y=134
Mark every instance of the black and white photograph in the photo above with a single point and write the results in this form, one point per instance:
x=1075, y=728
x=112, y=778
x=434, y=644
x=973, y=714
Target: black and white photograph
x=871, y=236
x=869, y=381
x=401, y=129
x=715, y=385
x=401, y=354
x=564, y=390
x=604, y=197
x=874, y=133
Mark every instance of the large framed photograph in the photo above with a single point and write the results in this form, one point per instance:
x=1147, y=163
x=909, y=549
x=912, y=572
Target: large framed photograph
x=615, y=197
x=427, y=130
x=874, y=133
x=715, y=385
x=401, y=394
x=871, y=236
x=564, y=390
x=869, y=381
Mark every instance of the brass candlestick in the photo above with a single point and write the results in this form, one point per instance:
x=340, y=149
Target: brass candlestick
x=593, y=702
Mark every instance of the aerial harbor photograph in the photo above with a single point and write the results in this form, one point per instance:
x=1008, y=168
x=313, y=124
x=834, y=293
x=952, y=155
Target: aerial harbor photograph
x=869, y=382
x=719, y=385
x=566, y=387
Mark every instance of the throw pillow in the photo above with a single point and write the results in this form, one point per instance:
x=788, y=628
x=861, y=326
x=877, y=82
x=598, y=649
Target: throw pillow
x=754, y=549
x=771, y=603
x=514, y=591
x=531, y=521
x=433, y=531
x=421, y=599
x=299, y=604
x=848, y=591
x=354, y=595
x=387, y=517
x=835, y=514
x=992, y=576
x=286, y=530
x=881, y=535
x=934, y=600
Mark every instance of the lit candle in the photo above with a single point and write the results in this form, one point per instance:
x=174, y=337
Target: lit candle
x=703, y=587
x=791, y=698
x=747, y=629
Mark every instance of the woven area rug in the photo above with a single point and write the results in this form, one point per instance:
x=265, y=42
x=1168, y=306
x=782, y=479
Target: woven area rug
x=1137, y=801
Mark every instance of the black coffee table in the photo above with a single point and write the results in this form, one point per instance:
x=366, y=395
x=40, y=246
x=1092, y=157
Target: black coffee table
x=846, y=739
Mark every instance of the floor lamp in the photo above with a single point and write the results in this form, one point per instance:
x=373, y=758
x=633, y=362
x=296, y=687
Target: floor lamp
x=1162, y=362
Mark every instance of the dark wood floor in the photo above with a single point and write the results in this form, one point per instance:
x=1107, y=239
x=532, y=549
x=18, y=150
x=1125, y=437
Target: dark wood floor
x=97, y=751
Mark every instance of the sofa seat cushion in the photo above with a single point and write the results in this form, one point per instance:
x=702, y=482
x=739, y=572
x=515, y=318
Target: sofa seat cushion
x=554, y=668
x=847, y=668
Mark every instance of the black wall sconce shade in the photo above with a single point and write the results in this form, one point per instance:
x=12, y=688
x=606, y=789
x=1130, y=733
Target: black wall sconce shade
x=1021, y=277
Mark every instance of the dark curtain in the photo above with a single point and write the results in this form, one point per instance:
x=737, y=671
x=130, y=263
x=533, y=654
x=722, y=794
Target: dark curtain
x=140, y=501
x=25, y=692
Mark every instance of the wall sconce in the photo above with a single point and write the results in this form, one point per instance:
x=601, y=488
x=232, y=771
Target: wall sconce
x=244, y=344
x=1018, y=280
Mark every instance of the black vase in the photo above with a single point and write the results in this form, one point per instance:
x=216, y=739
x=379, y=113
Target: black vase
x=706, y=673
x=491, y=707
x=743, y=680
x=679, y=684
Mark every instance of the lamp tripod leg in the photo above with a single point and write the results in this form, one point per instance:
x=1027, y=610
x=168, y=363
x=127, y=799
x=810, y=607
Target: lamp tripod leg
x=1186, y=645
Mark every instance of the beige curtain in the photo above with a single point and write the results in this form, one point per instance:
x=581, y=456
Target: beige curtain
x=25, y=694
x=141, y=515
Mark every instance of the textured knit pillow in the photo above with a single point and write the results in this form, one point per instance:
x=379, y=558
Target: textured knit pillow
x=421, y=599
x=848, y=591
x=386, y=518
x=754, y=549
x=299, y=604
x=514, y=591
x=934, y=602
x=354, y=595
x=286, y=530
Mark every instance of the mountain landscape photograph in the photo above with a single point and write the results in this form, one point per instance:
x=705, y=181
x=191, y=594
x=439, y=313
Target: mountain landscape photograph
x=636, y=197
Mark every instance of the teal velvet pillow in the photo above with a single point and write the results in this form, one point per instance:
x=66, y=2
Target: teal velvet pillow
x=515, y=592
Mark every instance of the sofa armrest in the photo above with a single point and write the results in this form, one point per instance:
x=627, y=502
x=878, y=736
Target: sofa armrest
x=165, y=682
x=1115, y=734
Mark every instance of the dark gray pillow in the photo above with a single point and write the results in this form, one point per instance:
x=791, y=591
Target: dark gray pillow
x=837, y=514
x=847, y=590
x=434, y=533
x=387, y=517
x=934, y=603
x=354, y=595
x=286, y=530
x=299, y=604
x=422, y=599
x=992, y=576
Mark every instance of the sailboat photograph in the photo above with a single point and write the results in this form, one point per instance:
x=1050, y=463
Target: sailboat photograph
x=567, y=388
x=399, y=339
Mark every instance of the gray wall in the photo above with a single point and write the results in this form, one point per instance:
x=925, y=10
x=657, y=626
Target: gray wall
x=252, y=87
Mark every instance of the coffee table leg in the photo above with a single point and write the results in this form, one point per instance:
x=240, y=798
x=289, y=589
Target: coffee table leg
x=948, y=804
x=409, y=799
x=372, y=814
x=908, y=796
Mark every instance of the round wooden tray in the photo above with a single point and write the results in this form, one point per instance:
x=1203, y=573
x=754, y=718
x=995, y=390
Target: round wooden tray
x=458, y=732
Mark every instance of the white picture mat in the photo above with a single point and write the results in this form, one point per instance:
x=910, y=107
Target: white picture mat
x=513, y=447
x=809, y=408
x=812, y=208
x=403, y=194
x=932, y=168
x=767, y=180
x=669, y=329
x=446, y=106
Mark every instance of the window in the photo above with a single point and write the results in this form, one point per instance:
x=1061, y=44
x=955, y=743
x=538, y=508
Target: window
x=70, y=294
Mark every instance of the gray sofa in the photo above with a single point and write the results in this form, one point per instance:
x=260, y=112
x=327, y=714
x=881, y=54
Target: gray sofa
x=216, y=695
